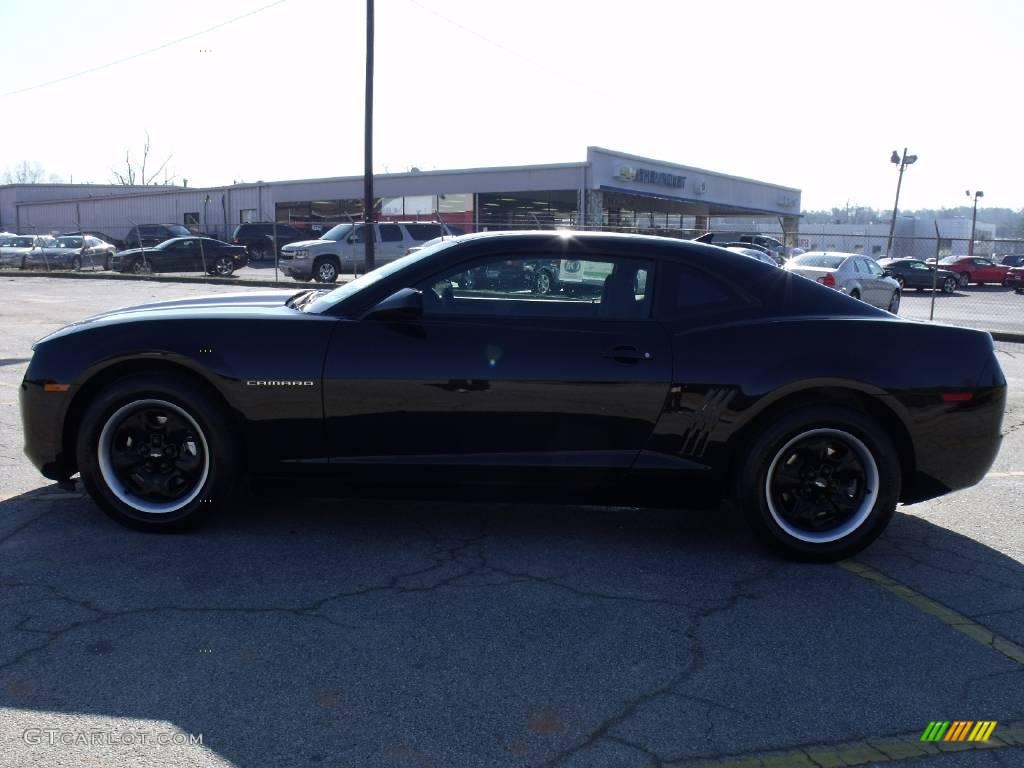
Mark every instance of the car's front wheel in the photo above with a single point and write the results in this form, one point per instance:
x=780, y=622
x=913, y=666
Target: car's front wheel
x=156, y=452
x=900, y=282
x=820, y=483
x=325, y=270
x=139, y=267
x=949, y=285
x=542, y=283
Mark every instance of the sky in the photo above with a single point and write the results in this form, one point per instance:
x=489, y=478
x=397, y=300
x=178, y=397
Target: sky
x=813, y=95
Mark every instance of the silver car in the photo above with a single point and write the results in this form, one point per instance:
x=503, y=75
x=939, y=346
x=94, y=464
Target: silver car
x=72, y=252
x=853, y=274
x=17, y=250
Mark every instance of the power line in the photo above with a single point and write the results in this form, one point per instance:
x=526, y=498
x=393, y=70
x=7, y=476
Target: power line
x=141, y=53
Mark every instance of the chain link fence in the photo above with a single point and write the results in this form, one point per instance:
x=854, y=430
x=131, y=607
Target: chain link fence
x=986, y=289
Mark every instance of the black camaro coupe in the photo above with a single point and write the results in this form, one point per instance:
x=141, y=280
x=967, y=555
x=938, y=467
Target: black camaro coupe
x=684, y=369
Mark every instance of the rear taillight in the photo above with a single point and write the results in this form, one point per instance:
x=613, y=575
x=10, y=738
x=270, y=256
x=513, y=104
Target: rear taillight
x=828, y=280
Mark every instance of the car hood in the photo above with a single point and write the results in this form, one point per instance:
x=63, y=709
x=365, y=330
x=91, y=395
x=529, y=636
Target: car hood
x=226, y=305
x=303, y=244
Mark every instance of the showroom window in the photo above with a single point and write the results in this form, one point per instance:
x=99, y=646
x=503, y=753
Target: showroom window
x=192, y=220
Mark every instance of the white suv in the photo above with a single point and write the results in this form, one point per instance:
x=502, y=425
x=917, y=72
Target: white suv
x=341, y=248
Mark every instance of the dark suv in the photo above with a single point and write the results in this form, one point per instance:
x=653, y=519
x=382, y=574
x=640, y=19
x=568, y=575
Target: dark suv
x=258, y=238
x=148, y=235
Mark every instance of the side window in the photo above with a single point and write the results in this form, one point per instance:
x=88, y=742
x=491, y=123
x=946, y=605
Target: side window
x=858, y=266
x=357, y=234
x=873, y=268
x=389, y=233
x=499, y=286
x=423, y=232
x=688, y=291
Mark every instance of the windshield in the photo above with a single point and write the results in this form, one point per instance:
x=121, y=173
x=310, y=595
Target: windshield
x=337, y=233
x=823, y=260
x=339, y=294
x=69, y=242
x=178, y=231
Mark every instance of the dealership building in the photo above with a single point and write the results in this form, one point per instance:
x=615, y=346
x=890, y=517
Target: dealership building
x=608, y=190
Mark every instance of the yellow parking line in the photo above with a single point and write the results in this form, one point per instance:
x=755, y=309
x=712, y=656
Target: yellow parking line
x=888, y=749
x=1005, y=474
x=946, y=615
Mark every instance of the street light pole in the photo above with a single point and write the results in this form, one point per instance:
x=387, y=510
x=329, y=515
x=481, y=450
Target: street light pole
x=974, y=219
x=368, y=143
x=903, y=163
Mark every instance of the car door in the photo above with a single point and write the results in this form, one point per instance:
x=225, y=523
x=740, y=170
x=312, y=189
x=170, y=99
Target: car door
x=987, y=271
x=502, y=378
x=918, y=275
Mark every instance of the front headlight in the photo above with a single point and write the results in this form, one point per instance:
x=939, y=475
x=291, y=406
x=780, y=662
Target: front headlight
x=301, y=254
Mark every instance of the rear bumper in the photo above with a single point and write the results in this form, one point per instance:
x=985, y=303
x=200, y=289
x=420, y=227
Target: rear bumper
x=955, y=444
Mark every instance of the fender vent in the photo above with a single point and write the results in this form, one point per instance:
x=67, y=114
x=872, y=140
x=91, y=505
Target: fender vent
x=703, y=420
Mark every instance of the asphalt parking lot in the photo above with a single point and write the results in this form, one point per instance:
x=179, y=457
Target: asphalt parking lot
x=358, y=633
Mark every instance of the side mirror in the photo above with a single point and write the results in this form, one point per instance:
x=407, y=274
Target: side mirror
x=406, y=304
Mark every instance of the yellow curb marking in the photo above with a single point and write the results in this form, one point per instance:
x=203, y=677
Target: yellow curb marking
x=945, y=614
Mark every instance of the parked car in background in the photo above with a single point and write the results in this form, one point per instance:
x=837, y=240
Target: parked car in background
x=148, y=235
x=975, y=269
x=118, y=244
x=853, y=274
x=72, y=252
x=1015, y=278
x=182, y=254
x=258, y=238
x=755, y=253
x=17, y=250
x=341, y=248
x=914, y=273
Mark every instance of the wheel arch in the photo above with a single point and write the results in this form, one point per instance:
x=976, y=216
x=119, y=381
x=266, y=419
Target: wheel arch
x=85, y=393
x=842, y=394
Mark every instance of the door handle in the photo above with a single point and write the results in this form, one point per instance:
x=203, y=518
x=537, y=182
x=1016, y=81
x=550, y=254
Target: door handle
x=626, y=354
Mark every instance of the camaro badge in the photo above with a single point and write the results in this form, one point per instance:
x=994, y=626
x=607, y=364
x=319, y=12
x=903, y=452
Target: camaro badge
x=279, y=383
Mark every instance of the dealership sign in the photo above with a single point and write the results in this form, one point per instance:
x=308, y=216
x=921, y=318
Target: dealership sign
x=647, y=176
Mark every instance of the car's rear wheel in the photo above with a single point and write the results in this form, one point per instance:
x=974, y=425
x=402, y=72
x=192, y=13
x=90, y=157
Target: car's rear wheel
x=820, y=483
x=325, y=270
x=965, y=278
x=257, y=252
x=224, y=266
x=894, y=303
x=949, y=285
x=156, y=453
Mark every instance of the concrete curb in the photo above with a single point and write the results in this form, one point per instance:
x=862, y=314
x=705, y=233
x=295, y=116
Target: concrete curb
x=240, y=282
x=1013, y=338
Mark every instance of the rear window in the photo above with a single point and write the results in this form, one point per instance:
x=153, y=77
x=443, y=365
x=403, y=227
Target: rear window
x=423, y=232
x=178, y=231
x=390, y=233
x=822, y=260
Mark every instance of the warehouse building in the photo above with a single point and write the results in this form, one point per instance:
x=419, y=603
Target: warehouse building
x=609, y=189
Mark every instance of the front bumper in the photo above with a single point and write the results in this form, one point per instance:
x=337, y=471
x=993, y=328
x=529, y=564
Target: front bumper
x=298, y=268
x=42, y=418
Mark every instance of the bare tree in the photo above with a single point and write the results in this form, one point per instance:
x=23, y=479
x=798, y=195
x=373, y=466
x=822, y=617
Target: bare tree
x=29, y=172
x=137, y=172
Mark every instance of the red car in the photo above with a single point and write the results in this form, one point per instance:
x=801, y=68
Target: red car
x=975, y=269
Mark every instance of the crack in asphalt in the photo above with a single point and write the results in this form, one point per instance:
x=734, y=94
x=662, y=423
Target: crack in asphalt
x=900, y=544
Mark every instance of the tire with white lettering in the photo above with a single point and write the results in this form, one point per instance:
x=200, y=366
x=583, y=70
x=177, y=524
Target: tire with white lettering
x=156, y=452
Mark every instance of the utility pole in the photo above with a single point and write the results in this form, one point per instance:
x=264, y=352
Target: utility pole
x=974, y=219
x=368, y=143
x=903, y=163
